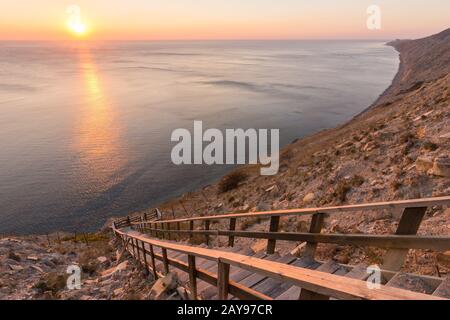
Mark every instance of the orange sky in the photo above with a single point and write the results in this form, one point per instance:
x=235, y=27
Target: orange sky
x=222, y=19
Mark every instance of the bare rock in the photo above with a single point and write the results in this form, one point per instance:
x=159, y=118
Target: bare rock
x=102, y=259
x=443, y=259
x=423, y=164
x=309, y=197
x=163, y=285
x=441, y=167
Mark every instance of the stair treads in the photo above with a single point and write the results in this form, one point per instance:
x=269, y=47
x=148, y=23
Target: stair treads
x=332, y=267
x=256, y=278
x=238, y=274
x=273, y=287
x=410, y=282
x=293, y=293
x=358, y=272
x=443, y=290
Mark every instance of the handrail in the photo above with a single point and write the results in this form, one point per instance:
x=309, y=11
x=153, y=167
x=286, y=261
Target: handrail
x=399, y=244
x=315, y=281
x=399, y=204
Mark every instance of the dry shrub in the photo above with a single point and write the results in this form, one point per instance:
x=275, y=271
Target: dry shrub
x=53, y=282
x=232, y=180
x=344, y=186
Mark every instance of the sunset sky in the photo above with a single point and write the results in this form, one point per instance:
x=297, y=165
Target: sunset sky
x=221, y=19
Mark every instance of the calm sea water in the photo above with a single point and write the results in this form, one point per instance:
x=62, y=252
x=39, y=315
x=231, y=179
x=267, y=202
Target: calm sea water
x=85, y=128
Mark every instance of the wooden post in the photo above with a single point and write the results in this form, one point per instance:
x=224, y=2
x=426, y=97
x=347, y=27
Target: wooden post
x=152, y=257
x=192, y=277
x=184, y=208
x=408, y=225
x=178, y=234
x=315, y=227
x=207, y=229
x=232, y=228
x=191, y=228
x=145, y=216
x=132, y=247
x=144, y=254
x=223, y=276
x=169, y=236
x=165, y=261
x=137, y=250
x=274, y=223
x=128, y=220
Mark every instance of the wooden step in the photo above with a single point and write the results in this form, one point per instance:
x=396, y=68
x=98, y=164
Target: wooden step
x=293, y=293
x=410, y=282
x=443, y=290
x=358, y=272
x=272, y=287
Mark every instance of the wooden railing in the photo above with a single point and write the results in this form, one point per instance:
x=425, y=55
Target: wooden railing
x=142, y=248
x=405, y=237
x=129, y=220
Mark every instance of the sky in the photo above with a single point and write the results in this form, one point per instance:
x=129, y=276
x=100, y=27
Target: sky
x=221, y=19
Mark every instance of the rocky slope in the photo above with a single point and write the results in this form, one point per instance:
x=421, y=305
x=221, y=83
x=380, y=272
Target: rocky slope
x=397, y=149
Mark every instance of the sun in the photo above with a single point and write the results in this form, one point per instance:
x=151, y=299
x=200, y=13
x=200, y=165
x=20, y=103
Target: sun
x=78, y=28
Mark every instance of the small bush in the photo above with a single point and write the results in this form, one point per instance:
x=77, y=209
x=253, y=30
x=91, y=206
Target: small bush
x=53, y=282
x=345, y=186
x=231, y=181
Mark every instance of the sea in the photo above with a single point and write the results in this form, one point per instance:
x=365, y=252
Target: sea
x=85, y=127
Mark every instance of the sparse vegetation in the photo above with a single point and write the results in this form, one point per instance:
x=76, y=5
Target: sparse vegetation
x=232, y=181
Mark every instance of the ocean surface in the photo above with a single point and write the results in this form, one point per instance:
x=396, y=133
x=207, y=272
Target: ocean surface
x=85, y=127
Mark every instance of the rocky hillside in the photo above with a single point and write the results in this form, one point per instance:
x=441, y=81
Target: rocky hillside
x=399, y=148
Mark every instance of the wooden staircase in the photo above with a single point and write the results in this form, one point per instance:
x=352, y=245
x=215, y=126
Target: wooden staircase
x=239, y=273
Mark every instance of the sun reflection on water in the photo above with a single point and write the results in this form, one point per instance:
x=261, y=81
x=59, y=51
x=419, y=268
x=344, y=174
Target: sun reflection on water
x=98, y=138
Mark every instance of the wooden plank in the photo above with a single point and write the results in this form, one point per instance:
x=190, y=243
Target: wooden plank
x=328, y=267
x=138, y=250
x=410, y=282
x=255, y=278
x=223, y=275
x=235, y=289
x=232, y=228
x=207, y=229
x=437, y=243
x=358, y=272
x=414, y=203
x=165, y=261
x=144, y=255
x=331, y=285
x=443, y=290
x=323, y=283
x=271, y=243
x=293, y=292
x=270, y=286
x=192, y=277
x=191, y=228
x=409, y=224
x=152, y=257
x=315, y=227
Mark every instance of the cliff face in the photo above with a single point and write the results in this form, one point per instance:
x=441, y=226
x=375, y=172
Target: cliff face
x=422, y=61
